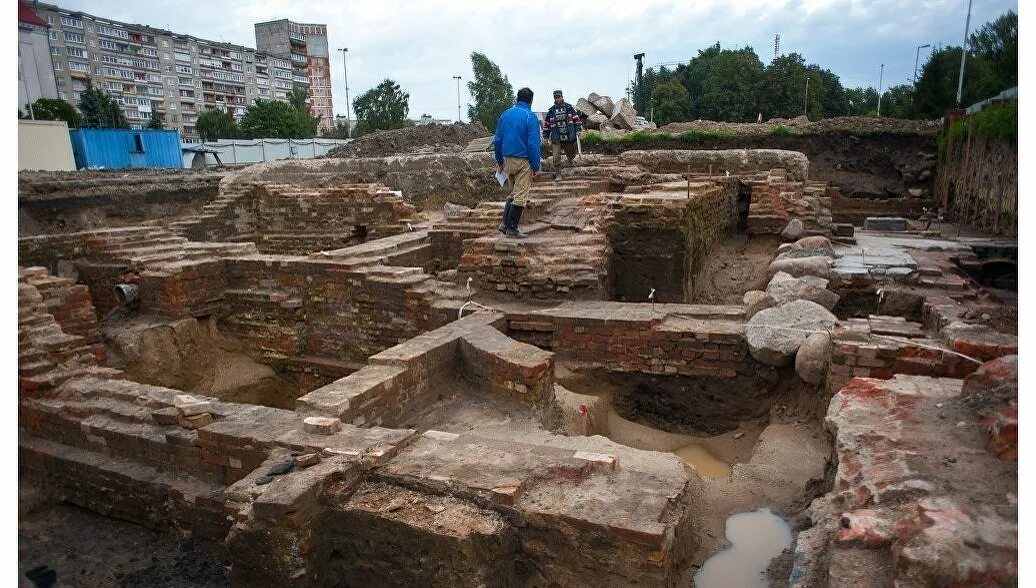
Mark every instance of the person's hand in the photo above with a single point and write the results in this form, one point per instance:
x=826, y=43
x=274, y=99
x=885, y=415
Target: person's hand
x=499, y=168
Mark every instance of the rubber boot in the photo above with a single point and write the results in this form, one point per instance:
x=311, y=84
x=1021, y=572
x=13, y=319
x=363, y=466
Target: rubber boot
x=512, y=226
x=507, y=212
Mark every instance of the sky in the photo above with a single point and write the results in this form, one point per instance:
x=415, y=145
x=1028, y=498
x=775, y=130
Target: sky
x=579, y=46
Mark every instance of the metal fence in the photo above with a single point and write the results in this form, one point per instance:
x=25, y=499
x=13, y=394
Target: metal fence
x=240, y=151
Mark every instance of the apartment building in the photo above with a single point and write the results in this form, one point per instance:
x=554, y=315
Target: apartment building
x=35, y=75
x=154, y=70
x=305, y=47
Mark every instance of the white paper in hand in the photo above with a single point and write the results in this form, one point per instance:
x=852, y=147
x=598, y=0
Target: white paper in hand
x=501, y=177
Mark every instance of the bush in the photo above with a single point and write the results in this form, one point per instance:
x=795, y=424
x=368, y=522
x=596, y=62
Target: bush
x=782, y=131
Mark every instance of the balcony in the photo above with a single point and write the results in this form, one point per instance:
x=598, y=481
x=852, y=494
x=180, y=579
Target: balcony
x=297, y=38
x=300, y=80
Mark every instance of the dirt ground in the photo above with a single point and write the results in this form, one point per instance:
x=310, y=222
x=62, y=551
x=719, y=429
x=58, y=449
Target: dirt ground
x=90, y=550
x=733, y=267
x=423, y=139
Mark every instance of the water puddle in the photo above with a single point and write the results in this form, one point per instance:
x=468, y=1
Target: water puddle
x=756, y=538
x=690, y=449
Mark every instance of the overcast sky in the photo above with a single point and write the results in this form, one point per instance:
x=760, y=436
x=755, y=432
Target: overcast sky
x=579, y=46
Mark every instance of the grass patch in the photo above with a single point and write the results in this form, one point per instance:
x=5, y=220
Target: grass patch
x=996, y=122
x=782, y=131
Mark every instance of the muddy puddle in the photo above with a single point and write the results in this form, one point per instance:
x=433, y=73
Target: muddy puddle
x=756, y=538
x=712, y=456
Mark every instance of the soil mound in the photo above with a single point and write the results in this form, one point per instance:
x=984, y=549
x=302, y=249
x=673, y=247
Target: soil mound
x=433, y=138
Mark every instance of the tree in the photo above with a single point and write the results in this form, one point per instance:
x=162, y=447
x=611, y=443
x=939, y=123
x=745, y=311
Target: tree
x=861, y=101
x=100, y=110
x=299, y=99
x=340, y=131
x=937, y=85
x=273, y=118
x=215, y=124
x=833, y=100
x=157, y=121
x=491, y=91
x=55, y=109
x=670, y=102
x=898, y=101
x=384, y=106
x=997, y=43
x=728, y=88
x=783, y=87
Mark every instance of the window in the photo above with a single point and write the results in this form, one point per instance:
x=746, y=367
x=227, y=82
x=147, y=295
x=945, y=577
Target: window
x=112, y=32
x=185, y=81
x=78, y=85
x=68, y=21
x=92, y=44
x=165, y=44
x=74, y=66
x=50, y=19
x=149, y=52
x=114, y=86
x=63, y=95
x=172, y=106
x=154, y=78
x=109, y=59
x=53, y=35
x=55, y=50
x=76, y=52
x=74, y=38
x=57, y=66
x=184, y=69
x=109, y=45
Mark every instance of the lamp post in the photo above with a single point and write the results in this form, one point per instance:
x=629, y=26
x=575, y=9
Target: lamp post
x=963, y=54
x=458, y=97
x=805, y=97
x=881, y=78
x=916, y=57
x=345, y=70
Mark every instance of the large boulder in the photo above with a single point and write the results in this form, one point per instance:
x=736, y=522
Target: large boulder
x=603, y=103
x=812, y=358
x=774, y=335
x=803, y=266
x=594, y=121
x=586, y=108
x=793, y=230
x=815, y=242
x=756, y=300
x=624, y=116
x=784, y=288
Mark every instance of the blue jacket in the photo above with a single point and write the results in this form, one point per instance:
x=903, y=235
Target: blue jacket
x=518, y=135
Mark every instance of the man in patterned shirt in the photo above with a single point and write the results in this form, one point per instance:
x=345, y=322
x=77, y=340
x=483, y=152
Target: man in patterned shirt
x=560, y=126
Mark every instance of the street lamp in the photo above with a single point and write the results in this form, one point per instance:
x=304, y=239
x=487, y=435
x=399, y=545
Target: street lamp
x=963, y=54
x=345, y=69
x=881, y=78
x=916, y=57
x=458, y=97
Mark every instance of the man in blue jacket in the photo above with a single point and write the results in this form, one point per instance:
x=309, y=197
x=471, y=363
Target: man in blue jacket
x=516, y=147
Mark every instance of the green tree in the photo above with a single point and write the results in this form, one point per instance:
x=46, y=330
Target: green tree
x=728, y=90
x=997, y=43
x=340, y=131
x=273, y=118
x=299, y=99
x=670, y=102
x=783, y=87
x=833, y=100
x=384, y=106
x=861, y=101
x=898, y=101
x=100, y=110
x=491, y=91
x=937, y=85
x=55, y=109
x=157, y=121
x=215, y=124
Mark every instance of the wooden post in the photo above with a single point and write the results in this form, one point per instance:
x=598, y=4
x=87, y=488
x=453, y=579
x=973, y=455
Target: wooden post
x=688, y=182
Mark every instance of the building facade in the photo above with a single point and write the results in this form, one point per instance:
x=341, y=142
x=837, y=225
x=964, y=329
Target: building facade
x=305, y=46
x=35, y=74
x=154, y=70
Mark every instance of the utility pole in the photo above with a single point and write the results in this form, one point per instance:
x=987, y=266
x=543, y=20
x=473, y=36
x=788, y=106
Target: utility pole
x=458, y=97
x=916, y=57
x=345, y=70
x=963, y=54
x=881, y=78
x=805, y=98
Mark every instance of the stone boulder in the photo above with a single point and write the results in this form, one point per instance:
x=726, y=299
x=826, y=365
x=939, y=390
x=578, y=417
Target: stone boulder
x=815, y=242
x=774, y=335
x=793, y=230
x=586, y=108
x=803, y=266
x=784, y=288
x=787, y=247
x=595, y=121
x=603, y=103
x=624, y=116
x=756, y=300
x=812, y=358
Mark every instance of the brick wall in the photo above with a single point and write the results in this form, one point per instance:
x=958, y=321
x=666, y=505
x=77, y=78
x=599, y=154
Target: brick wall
x=679, y=339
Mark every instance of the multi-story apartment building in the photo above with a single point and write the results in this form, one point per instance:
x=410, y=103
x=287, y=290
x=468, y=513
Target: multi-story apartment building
x=305, y=47
x=147, y=69
x=35, y=74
